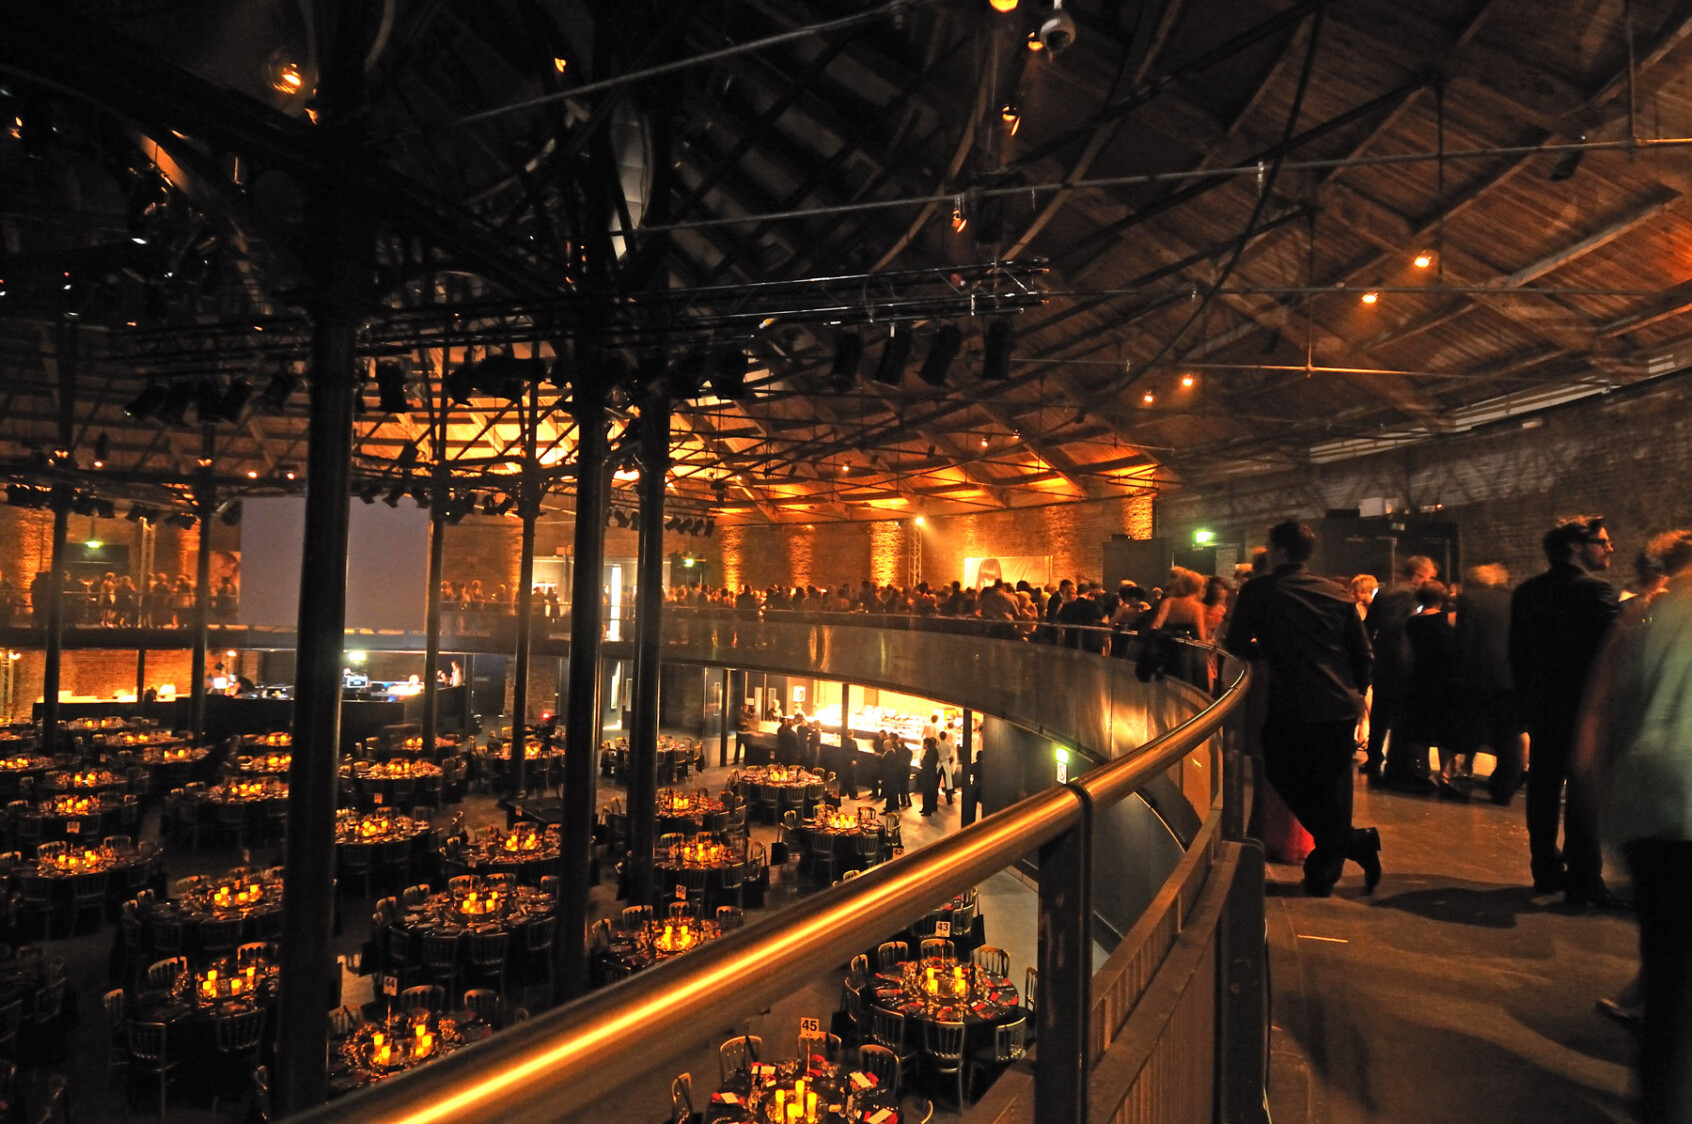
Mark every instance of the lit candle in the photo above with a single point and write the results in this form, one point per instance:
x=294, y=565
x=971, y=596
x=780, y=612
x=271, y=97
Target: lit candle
x=811, y=1107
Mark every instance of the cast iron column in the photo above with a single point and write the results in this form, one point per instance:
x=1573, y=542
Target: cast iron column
x=649, y=604
x=203, y=505
x=528, y=506
x=341, y=258
x=432, y=615
x=966, y=763
x=61, y=526
x=140, y=680
x=723, y=723
x=581, y=711
x=1065, y=962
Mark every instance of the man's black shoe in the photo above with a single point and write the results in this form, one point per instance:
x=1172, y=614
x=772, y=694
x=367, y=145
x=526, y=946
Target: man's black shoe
x=1366, y=842
x=1601, y=897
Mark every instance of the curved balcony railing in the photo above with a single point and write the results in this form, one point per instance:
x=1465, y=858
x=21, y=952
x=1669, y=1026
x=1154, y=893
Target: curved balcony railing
x=560, y=1063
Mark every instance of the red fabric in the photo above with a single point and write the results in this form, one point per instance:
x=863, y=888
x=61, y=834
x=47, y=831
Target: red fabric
x=1284, y=838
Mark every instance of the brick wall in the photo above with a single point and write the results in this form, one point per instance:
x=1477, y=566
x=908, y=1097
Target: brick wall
x=1625, y=455
x=98, y=672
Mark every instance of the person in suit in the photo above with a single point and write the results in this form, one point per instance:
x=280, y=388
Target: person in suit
x=848, y=769
x=1558, y=622
x=888, y=768
x=787, y=743
x=1394, y=764
x=929, y=773
x=1487, y=699
x=1307, y=630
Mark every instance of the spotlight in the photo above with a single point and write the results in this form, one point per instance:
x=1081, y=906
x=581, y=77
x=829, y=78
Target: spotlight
x=1371, y=297
x=947, y=341
x=395, y=494
x=505, y=505
x=407, y=458
x=895, y=355
x=687, y=376
x=460, y=385
x=996, y=357
x=235, y=400
x=231, y=514
x=208, y=400
x=135, y=514
x=147, y=402
x=174, y=411
x=1568, y=163
x=848, y=354
x=488, y=504
x=420, y=494
x=105, y=509
x=671, y=523
x=1187, y=381
x=181, y=519
x=278, y=390
x=710, y=527
x=368, y=492
x=728, y=375
x=102, y=450
x=390, y=386
x=1057, y=33
x=457, y=507
x=1423, y=259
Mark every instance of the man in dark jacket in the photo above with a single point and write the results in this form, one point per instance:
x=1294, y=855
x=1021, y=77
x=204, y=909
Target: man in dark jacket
x=1389, y=613
x=788, y=751
x=1558, y=621
x=1307, y=630
x=1490, y=715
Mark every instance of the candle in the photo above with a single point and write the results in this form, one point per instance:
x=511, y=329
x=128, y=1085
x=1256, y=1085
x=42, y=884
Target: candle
x=811, y=1107
x=780, y=1103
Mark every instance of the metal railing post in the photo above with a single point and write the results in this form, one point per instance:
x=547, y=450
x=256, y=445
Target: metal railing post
x=1242, y=1000
x=1066, y=972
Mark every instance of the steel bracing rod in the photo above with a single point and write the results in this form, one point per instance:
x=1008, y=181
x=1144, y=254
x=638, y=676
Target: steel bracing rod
x=889, y=11
x=1153, y=178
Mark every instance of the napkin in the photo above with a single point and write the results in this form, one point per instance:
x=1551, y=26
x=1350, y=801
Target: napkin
x=881, y=1116
x=725, y=1098
x=886, y=992
x=861, y=1081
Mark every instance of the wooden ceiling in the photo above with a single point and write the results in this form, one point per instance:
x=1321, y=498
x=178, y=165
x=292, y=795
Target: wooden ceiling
x=1178, y=217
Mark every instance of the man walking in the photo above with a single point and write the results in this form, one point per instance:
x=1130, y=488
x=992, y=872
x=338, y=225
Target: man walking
x=1307, y=630
x=1389, y=614
x=1558, y=621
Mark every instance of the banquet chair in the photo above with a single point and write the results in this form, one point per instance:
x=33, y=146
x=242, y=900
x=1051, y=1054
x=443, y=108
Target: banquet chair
x=49, y=1004
x=265, y=925
x=730, y=917
x=822, y=856
x=396, y=955
x=599, y=936
x=356, y=861
x=826, y=1044
x=461, y=884
x=1030, y=986
x=148, y=1053
x=888, y=1028
x=681, y=1100
x=667, y=840
x=238, y=1038
x=551, y=884
x=395, y=859
x=414, y=895
x=943, y=1053
x=694, y=878
x=485, y=1003
x=883, y=1063
x=220, y=937
x=868, y=846
x=858, y=970
x=35, y=900
x=938, y=948
x=488, y=953
x=503, y=879
x=733, y=882
x=263, y=1109
x=890, y=953
x=252, y=950
x=680, y=909
x=994, y=961
x=163, y=974
x=439, y=952
x=167, y=936
x=636, y=916
x=737, y=1054
x=427, y=997
x=852, y=1002
x=232, y=823
x=890, y=828
x=1010, y=1042
x=11, y=1024
x=114, y=1002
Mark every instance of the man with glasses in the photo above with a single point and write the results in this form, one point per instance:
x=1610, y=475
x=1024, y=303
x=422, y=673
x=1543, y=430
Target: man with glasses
x=1558, y=621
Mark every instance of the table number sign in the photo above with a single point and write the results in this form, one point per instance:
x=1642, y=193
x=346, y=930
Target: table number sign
x=390, y=985
x=376, y=798
x=810, y=1026
x=681, y=892
x=73, y=827
x=942, y=928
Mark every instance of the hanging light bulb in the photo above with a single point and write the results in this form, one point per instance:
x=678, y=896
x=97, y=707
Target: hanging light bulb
x=1423, y=259
x=1034, y=43
x=959, y=219
x=1371, y=297
x=1148, y=398
x=559, y=64
x=1012, y=117
x=1187, y=381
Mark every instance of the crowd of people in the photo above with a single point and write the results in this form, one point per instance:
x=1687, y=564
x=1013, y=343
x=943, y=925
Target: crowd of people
x=1589, y=685
x=112, y=600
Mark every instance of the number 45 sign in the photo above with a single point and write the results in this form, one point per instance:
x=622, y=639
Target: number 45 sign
x=810, y=1026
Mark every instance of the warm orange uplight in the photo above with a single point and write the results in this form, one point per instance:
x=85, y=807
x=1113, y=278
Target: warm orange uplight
x=1371, y=297
x=1002, y=5
x=1423, y=259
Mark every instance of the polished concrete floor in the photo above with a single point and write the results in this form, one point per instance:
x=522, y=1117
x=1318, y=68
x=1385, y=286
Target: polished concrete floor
x=1454, y=993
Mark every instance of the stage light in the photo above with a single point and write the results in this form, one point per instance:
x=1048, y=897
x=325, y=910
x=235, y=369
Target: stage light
x=1187, y=381
x=848, y=355
x=407, y=458
x=181, y=519
x=390, y=386
x=895, y=356
x=235, y=400
x=460, y=385
x=1148, y=398
x=505, y=505
x=145, y=404
x=1371, y=297
x=728, y=375
x=710, y=527
x=278, y=390
x=395, y=494
x=174, y=410
x=208, y=400
x=420, y=494
x=231, y=514
x=947, y=341
x=1423, y=259
x=996, y=356
x=368, y=493
x=102, y=450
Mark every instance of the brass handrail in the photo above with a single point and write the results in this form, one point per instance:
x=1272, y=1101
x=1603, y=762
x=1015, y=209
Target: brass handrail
x=564, y=1060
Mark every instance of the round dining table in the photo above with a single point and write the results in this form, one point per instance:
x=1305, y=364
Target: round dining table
x=92, y=781
x=375, y=1051
x=845, y=841
x=527, y=851
x=680, y=811
x=474, y=909
x=74, y=817
x=932, y=989
x=659, y=939
x=231, y=909
x=822, y=1091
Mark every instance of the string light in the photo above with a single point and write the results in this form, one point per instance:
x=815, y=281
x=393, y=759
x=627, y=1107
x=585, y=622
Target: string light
x=1371, y=297
x=1423, y=259
x=1188, y=381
